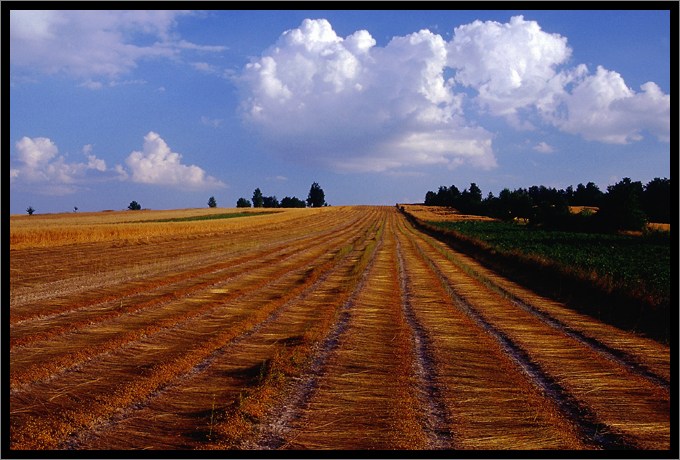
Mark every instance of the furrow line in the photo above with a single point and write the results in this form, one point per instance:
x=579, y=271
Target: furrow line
x=184, y=417
x=619, y=356
x=165, y=283
x=625, y=349
x=436, y=417
x=98, y=429
x=55, y=366
x=275, y=432
x=168, y=367
x=490, y=401
x=207, y=275
x=593, y=431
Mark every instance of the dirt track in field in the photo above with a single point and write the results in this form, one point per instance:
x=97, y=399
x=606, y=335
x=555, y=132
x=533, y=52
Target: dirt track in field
x=345, y=329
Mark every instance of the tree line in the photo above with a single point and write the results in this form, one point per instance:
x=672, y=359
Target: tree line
x=626, y=205
x=316, y=198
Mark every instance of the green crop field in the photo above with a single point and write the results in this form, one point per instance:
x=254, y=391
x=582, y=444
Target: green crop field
x=637, y=263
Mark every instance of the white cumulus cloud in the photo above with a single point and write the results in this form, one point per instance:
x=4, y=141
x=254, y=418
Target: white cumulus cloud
x=602, y=108
x=349, y=104
x=511, y=65
x=517, y=66
x=353, y=106
x=158, y=164
x=38, y=162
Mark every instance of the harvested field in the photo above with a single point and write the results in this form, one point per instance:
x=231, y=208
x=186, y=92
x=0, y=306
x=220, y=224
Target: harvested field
x=332, y=328
x=441, y=214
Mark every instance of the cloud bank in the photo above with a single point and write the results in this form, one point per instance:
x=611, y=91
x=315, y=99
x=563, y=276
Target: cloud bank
x=351, y=105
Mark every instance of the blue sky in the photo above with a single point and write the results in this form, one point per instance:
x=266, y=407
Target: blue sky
x=169, y=108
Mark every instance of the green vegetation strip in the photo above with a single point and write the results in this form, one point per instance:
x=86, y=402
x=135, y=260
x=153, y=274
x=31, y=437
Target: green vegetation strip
x=229, y=215
x=639, y=264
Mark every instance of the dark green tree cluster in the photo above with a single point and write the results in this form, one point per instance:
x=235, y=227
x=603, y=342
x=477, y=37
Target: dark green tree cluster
x=261, y=201
x=258, y=199
x=626, y=205
x=243, y=203
x=315, y=198
x=292, y=202
x=134, y=206
x=468, y=202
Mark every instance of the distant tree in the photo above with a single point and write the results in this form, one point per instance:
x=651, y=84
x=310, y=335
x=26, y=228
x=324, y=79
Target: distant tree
x=316, y=197
x=490, y=205
x=470, y=200
x=656, y=200
x=587, y=195
x=134, y=206
x=75, y=209
x=30, y=210
x=449, y=196
x=621, y=207
x=430, y=198
x=243, y=203
x=258, y=200
x=549, y=206
x=293, y=202
x=515, y=204
x=445, y=196
x=270, y=202
x=212, y=203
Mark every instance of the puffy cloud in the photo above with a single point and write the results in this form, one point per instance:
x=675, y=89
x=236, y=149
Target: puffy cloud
x=511, y=65
x=158, y=164
x=39, y=163
x=37, y=152
x=350, y=105
x=92, y=44
x=601, y=107
x=514, y=67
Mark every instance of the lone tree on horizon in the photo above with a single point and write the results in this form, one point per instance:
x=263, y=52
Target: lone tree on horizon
x=258, y=199
x=134, y=206
x=30, y=210
x=212, y=203
x=316, y=197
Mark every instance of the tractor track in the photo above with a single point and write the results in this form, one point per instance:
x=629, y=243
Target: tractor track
x=620, y=356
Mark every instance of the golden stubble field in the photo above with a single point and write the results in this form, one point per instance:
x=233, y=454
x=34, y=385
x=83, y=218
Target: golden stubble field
x=330, y=328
